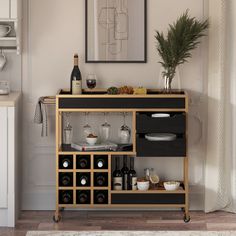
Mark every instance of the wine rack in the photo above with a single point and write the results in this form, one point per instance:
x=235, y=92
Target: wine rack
x=84, y=179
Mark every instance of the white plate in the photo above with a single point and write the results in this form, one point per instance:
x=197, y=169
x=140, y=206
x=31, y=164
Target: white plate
x=160, y=137
x=160, y=115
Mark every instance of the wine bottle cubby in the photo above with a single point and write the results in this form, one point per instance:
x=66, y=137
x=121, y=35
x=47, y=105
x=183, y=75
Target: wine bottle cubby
x=85, y=177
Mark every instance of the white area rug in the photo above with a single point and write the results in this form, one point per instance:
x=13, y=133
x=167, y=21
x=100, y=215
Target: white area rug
x=131, y=233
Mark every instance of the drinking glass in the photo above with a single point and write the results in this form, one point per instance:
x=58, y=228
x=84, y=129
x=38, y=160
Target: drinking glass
x=87, y=128
x=67, y=131
x=124, y=132
x=105, y=130
x=91, y=81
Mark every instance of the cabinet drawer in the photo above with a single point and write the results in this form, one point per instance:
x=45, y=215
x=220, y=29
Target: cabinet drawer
x=145, y=123
x=150, y=198
x=176, y=148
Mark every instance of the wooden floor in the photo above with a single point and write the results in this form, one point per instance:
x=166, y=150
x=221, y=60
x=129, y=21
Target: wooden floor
x=117, y=220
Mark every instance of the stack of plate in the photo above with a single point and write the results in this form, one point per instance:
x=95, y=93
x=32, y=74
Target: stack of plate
x=160, y=137
x=160, y=115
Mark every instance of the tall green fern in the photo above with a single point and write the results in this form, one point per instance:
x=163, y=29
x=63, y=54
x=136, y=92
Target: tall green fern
x=182, y=37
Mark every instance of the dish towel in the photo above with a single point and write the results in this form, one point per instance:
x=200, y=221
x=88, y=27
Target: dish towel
x=41, y=117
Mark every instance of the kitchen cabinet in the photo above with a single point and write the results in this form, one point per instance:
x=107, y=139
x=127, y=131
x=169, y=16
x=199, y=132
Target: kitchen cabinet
x=10, y=9
x=11, y=14
x=9, y=159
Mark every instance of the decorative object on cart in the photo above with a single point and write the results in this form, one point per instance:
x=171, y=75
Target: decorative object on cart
x=143, y=184
x=112, y=35
x=4, y=87
x=124, y=132
x=183, y=36
x=140, y=91
x=171, y=185
x=5, y=30
x=96, y=147
x=3, y=60
x=76, y=78
x=92, y=139
x=113, y=90
x=126, y=90
x=91, y=81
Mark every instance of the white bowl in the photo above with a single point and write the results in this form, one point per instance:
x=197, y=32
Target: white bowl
x=143, y=186
x=91, y=141
x=171, y=185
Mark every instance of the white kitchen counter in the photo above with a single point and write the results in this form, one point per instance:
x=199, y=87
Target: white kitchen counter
x=9, y=100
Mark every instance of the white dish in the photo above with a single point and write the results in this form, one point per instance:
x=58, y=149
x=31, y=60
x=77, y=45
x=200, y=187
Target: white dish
x=91, y=141
x=160, y=137
x=160, y=115
x=171, y=186
x=4, y=30
x=143, y=186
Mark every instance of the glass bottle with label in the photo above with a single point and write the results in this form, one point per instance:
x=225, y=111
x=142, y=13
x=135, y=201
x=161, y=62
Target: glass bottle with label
x=117, y=176
x=132, y=176
x=76, y=78
x=125, y=172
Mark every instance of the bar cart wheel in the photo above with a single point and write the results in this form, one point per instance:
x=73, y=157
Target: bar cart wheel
x=187, y=218
x=56, y=218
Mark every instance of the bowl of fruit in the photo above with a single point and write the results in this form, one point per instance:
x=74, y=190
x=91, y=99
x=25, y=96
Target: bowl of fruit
x=171, y=185
x=91, y=139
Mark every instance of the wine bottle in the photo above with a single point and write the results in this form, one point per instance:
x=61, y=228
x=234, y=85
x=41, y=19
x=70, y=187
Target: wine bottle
x=83, y=180
x=66, y=163
x=100, y=180
x=100, y=197
x=125, y=172
x=132, y=176
x=76, y=78
x=83, y=198
x=66, y=179
x=117, y=176
x=83, y=163
x=66, y=197
x=100, y=163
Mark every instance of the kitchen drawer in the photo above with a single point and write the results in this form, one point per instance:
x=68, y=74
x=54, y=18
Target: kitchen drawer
x=150, y=198
x=175, y=148
x=145, y=123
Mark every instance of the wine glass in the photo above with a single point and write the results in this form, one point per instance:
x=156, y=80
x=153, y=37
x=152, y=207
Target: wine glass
x=67, y=131
x=87, y=128
x=105, y=130
x=124, y=132
x=91, y=81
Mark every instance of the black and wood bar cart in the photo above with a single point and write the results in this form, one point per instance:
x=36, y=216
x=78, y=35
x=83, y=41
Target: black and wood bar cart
x=141, y=107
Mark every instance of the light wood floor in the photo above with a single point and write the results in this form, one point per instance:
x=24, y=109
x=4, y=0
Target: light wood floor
x=117, y=220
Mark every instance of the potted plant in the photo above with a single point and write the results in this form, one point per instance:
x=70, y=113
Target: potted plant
x=175, y=49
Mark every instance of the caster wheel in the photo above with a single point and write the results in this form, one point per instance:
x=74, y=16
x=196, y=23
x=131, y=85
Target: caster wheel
x=186, y=219
x=56, y=219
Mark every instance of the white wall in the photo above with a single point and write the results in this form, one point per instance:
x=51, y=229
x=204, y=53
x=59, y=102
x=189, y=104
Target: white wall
x=54, y=31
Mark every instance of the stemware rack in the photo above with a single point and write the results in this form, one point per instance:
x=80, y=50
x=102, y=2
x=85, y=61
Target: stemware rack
x=140, y=106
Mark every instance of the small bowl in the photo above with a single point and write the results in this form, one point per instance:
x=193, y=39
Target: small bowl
x=91, y=141
x=171, y=185
x=143, y=186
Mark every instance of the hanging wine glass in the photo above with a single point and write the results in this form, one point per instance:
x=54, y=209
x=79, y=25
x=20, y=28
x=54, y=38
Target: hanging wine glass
x=105, y=130
x=124, y=132
x=87, y=128
x=67, y=131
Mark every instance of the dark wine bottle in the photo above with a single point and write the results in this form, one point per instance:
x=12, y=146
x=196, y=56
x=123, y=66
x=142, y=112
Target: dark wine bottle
x=83, y=163
x=100, y=180
x=100, y=198
x=66, y=197
x=125, y=172
x=66, y=179
x=100, y=163
x=83, y=198
x=76, y=78
x=132, y=176
x=66, y=162
x=117, y=176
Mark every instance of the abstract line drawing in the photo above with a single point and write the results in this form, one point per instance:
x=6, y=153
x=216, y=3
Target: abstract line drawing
x=114, y=19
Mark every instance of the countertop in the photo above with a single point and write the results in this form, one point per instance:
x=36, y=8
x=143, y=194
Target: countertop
x=9, y=100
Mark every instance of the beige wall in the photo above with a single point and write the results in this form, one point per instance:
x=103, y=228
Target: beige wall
x=53, y=32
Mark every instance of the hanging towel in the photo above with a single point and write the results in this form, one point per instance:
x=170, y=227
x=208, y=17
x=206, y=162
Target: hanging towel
x=41, y=117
